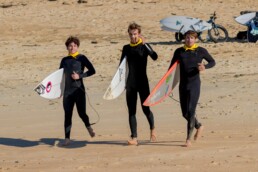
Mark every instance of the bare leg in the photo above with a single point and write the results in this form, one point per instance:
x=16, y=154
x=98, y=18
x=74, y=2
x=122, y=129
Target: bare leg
x=91, y=132
x=187, y=143
x=198, y=133
x=153, y=136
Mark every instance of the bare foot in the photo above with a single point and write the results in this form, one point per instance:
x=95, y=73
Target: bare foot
x=198, y=133
x=66, y=142
x=187, y=143
x=133, y=142
x=91, y=132
x=153, y=136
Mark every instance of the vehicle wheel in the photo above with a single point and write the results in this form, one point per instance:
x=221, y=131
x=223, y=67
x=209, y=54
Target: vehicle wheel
x=179, y=37
x=218, y=34
x=204, y=36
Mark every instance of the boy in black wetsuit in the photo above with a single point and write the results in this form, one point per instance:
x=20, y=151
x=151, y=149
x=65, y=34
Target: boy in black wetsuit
x=137, y=82
x=190, y=60
x=74, y=92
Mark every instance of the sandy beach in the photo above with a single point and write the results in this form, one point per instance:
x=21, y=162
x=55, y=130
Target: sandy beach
x=31, y=127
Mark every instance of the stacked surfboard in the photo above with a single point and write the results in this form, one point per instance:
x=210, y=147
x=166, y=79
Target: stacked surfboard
x=183, y=23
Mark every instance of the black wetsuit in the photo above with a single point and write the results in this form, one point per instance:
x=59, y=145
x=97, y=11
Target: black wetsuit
x=137, y=82
x=74, y=92
x=190, y=83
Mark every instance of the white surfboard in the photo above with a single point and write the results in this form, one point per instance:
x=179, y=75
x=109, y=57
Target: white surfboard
x=168, y=29
x=245, y=18
x=165, y=86
x=52, y=86
x=117, y=85
x=183, y=24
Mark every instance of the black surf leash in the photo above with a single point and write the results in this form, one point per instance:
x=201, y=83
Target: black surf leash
x=171, y=96
x=88, y=98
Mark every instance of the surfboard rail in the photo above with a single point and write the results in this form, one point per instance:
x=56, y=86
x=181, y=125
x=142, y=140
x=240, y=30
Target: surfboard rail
x=184, y=23
x=246, y=18
x=52, y=86
x=165, y=86
x=118, y=82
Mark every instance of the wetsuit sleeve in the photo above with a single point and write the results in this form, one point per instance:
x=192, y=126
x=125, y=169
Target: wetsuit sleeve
x=174, y=58
x=208, y=58
x=89, y=66
x=150, y=51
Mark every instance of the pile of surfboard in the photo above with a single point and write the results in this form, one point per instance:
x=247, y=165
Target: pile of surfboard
x=182, y=24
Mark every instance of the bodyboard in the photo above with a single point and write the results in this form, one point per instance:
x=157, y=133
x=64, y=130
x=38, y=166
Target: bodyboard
x=165, y=86
x=117, y=85
x=52, y=86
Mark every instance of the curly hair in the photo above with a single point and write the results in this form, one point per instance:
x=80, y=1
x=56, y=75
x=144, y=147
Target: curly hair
x=72, y=39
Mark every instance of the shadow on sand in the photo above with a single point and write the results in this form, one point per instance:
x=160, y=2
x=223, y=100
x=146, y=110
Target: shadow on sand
x=56, y=142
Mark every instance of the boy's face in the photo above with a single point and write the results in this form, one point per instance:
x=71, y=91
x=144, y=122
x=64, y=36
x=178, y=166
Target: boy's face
x=72, y=48
x=134, y=35
x=189, y=40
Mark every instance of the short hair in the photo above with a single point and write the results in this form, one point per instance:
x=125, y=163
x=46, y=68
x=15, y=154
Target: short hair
x=191, y=33
x=133, y=26
x=72, y=39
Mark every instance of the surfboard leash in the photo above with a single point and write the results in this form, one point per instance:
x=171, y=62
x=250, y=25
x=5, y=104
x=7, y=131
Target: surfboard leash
x=171, y=96
x=93, y=109
x=88, y=98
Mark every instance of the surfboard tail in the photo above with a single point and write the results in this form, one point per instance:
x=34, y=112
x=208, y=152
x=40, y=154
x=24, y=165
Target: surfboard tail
x=52, y=86
x=165, y=86
x=118, y=82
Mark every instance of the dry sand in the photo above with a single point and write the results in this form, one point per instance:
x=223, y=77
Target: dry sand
x=32, y=44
